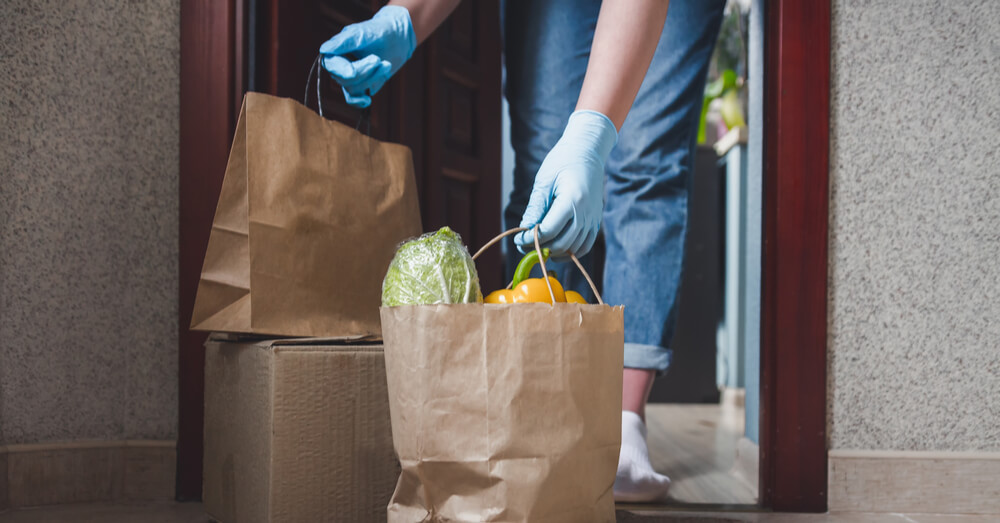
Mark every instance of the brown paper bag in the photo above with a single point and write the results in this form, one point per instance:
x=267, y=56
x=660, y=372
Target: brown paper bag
x=504, y=412
x=308, y=220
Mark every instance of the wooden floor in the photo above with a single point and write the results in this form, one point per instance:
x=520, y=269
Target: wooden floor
x=192, y=513
x=150, y=512
x=695, y=445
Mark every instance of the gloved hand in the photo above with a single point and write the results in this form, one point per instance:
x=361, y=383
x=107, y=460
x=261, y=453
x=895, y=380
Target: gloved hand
x=567, y=200
x=381, y=45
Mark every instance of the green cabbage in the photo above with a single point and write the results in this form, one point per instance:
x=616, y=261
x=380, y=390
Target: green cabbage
x=434, y=268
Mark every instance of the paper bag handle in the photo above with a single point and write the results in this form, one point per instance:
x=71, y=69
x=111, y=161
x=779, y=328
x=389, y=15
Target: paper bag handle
x=541, y=260
x=365, y=113
x=305, y=97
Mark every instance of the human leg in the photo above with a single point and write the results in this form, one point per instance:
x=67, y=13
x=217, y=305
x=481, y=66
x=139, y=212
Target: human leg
x=636, y=384
x=645, y=218
x=645, y=221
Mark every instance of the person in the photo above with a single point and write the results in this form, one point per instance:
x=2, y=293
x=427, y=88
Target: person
x=593, y=88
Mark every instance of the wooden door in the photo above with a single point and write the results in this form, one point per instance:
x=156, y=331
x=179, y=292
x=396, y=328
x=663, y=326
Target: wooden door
x=444, y=104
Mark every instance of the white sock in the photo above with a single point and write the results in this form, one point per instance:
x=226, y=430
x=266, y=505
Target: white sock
x=636, y=480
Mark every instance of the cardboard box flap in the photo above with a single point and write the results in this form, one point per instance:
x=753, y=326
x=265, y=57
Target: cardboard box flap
x=346, y=341
x=271, y=341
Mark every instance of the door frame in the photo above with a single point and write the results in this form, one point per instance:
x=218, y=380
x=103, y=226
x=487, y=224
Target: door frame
x=793, y=447
x=793, y=453
x=212, y=80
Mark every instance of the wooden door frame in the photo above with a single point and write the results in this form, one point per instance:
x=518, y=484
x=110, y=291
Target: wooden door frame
x=211, y=86
x=793, y=454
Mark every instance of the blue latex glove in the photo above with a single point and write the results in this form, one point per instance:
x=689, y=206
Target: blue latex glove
x=381, y=45
x=567, y=200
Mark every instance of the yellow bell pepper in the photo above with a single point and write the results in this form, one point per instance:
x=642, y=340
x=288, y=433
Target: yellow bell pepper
x=532, y=290
x=504, y=296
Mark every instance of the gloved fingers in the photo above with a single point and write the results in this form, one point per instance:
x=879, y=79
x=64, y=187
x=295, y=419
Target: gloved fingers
x=360, y=101
x=371, y=74
x=348, y=73
x=578, y=242
x=523, y=247
x=538, y=202
x=560, y=254
x=348, y=40
x=562, y=243
x=525, y=240
x=379, y=78
x=588, y=244
x=556, y=230
x=372, y=82
x=359, y=93
x=559, y=215
x=581, y=246
x=355, y=93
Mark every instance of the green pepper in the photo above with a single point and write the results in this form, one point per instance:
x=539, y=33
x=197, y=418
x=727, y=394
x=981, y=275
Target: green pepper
x=532, y=290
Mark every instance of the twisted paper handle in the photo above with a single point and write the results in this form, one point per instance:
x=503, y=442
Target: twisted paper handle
x=305, y=97
x=315, y=68
x=541, y=260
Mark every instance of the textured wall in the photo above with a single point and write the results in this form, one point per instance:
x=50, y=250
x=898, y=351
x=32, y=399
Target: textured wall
x=88, y=219
x=915, y=226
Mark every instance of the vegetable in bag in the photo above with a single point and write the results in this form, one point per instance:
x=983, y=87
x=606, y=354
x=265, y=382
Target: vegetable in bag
x=533, y=290
x=434, y=268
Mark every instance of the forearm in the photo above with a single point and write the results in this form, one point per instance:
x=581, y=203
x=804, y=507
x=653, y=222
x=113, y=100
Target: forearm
x=624, y=42
x=427, y=15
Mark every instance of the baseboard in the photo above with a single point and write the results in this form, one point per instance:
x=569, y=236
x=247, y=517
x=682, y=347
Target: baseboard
x=86, y=471
x=735, y=398
x=4, y=503
x=914, y=482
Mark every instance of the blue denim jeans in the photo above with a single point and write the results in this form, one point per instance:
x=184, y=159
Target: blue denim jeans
x=546, y=48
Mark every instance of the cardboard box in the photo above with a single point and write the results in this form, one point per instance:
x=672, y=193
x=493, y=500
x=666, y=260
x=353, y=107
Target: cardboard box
x=297, y=430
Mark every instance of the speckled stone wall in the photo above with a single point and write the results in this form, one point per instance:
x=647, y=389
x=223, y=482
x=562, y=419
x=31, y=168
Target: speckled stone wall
x=915, y=226
x=88, y=219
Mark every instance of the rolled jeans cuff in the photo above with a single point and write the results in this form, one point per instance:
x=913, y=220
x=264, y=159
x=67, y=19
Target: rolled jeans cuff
x=639, y=356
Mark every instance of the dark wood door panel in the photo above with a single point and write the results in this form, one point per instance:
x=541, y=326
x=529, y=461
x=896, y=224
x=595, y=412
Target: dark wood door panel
x=460, y=118
x=463, y=130
x=458, y=206
x=459, y=35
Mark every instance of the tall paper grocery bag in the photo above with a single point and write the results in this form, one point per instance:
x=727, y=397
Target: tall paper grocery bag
x=308, y=219
x=504, y=413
